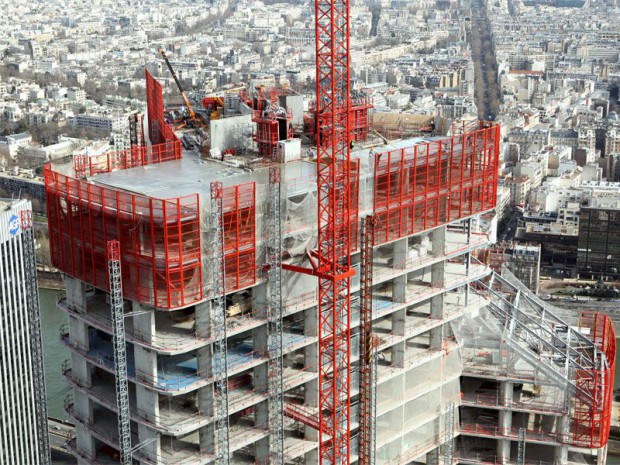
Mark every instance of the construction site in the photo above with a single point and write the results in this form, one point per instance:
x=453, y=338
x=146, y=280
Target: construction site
x=275, y=303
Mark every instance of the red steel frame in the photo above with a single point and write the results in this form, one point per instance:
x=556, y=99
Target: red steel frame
x=360, y=123
x=334, y=217
x=592, y=416
x=160, y=239
x=268, y=122
x=433, y=183
x=239, y=204
x=165, y=144
x=155, y=109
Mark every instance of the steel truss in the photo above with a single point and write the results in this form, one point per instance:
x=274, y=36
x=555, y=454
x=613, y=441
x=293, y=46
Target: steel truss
x=334, y=255
x=218, y=325
x=120, y=355
x=276, y=405
x=34, y=321
x=584, y=366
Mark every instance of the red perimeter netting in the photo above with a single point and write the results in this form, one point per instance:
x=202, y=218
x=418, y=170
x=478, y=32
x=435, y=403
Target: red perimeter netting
x=239, y=203
x=592, y=415
x=433, y=183
x=155, y=108
x=160, y=239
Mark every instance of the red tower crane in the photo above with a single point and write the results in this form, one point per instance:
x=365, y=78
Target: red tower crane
x=332, y=261
x=333, y=266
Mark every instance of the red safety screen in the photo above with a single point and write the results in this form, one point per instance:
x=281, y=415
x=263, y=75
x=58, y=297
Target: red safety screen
x=239, y=204
x=138, y=156
x=433, y=183
x=592, y=413
x=160, y=240
x=155, y=109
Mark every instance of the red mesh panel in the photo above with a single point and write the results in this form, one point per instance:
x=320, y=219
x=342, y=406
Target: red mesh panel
x=592, y=416
x=240, y=235
x=433, y=183
x=155, y=109
x=160, y=240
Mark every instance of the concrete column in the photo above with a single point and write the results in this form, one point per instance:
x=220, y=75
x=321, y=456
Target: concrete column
x=435, y=338
x=311, y=361
x=78, y=331
x=145, y=361
x=506, y=390
x=261, y=420
x=438, y=241
x=143, y=323
x=398, y=322
x=438, y=274
x=76, y=293
x=203, y=319
x=204, y=356
x=401, y=249
x=560, y=453
x=206, y=436
x=503, y=450
x=82, y=407
x=147, y=404
x=437, y=307
x=399, y=289
x=398, y=354
x=261, y=372
x=81, y=370
x=153, y=448
x=260, y=302
x=85, y=442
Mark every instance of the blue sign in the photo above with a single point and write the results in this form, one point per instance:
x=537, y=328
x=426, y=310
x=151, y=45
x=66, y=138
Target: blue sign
x=13, y=225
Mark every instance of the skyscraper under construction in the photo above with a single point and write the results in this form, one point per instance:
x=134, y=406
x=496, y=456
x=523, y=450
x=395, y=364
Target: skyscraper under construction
x=197, y=327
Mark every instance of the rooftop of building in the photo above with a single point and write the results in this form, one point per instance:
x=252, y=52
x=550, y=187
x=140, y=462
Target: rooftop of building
x=192, y=174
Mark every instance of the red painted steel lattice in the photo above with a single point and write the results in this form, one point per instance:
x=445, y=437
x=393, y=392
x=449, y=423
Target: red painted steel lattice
x=155, y=109
x=433, y=183
x=334, y=218
x=160, y=239
x=592, y=416
x=359, y=123
x=239, y=203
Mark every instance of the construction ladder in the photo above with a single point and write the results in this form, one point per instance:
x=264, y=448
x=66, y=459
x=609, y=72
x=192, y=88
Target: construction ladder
x=120, y=355
x=276, y=405
x=220, y=364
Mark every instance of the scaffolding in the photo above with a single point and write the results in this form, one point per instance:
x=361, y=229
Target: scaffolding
x=34, y=320
x=120, y=356
x=276, y=396
x=220, y=362
x=368, y=355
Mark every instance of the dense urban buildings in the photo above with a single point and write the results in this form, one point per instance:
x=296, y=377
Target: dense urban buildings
x=22, y=403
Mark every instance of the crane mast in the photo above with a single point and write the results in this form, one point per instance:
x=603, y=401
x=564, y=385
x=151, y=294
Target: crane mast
x=333, y=267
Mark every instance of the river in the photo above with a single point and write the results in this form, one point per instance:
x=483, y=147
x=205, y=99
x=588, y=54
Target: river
x=54, y=353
